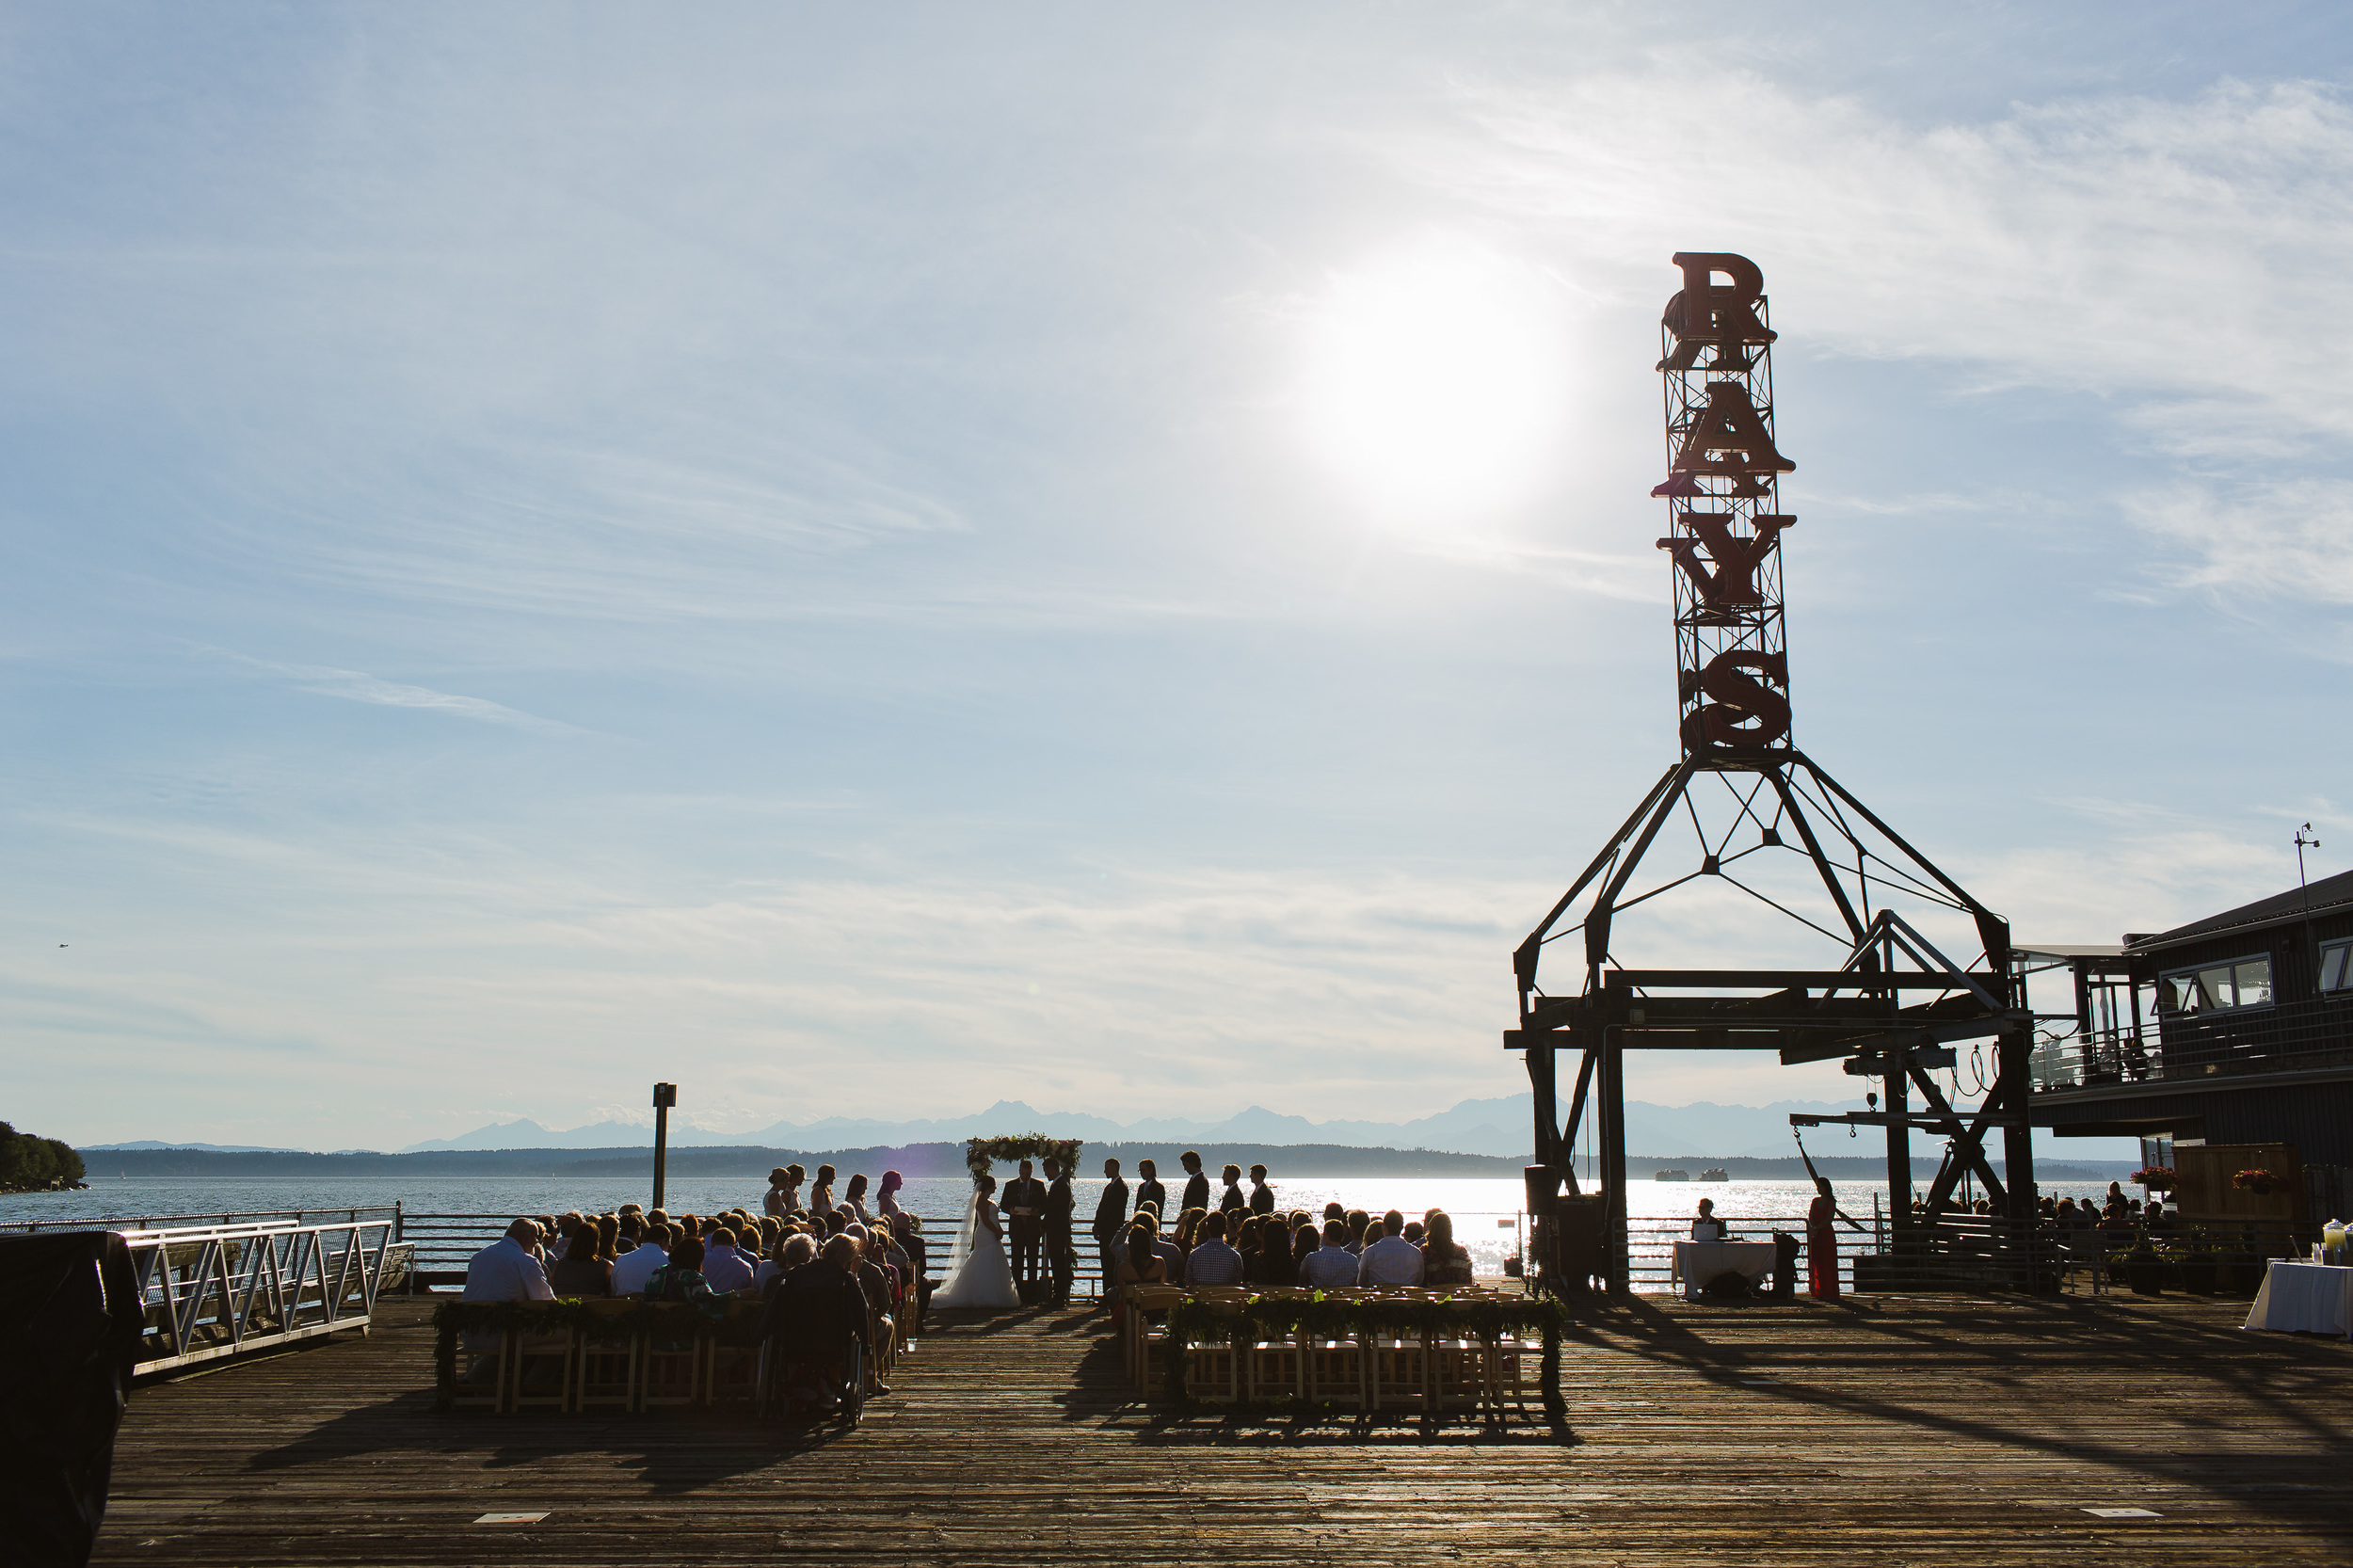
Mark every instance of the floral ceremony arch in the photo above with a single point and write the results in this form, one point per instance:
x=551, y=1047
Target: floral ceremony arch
x=980, y=1153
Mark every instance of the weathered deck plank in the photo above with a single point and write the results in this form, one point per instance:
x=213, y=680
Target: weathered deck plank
x=1922, y=1430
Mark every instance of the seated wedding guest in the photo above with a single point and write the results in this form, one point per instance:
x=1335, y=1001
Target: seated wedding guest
x=871, y=1277
x=680, y=1279
x=887, y=1196
x=812, y=1319
x=1304, y=1239
x=1335, y=1210
x=1231, y=1199
x=1413, y=1231
x=630, y=1273
x=728, y=1267
x=853, y=1197
x=1261, y=1195
x=509, y=1269
x=1391, y=1260
x=821, y=1198
x=1360, y=1230
x=1707, y=1227
x=1330, y=1265
x=894, y=1259
x=1143, y=1263
x=1213, y=1262
x=1148, y=1188
x=608, y=1236
x=1273, y=1263
x=790, y=1253
x=565, y=1223
x=587, y=1267
x=1187, y=1231
x=1444, y=1261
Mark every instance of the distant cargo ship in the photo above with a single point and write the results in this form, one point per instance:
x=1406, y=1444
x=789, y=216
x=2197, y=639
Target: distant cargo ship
x=1671, y=1176
x=1714, y=1173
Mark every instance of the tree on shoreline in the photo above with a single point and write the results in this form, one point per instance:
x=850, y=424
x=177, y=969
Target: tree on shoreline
x=33, y=1164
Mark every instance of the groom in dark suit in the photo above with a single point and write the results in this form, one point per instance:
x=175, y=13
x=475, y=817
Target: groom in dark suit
x=1025, y=1205
x=1059, y=1257
x=1111, y=1218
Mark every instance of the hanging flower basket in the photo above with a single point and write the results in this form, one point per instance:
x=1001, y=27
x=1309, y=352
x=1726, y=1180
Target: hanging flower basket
x=2157, y=1178
x=2257, y=1181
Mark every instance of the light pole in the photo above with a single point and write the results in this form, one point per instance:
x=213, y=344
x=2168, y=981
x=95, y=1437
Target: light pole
x=2311, y=951
x=664, y=1096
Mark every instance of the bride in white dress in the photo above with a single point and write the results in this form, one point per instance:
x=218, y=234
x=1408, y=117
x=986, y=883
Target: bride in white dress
x=984, y=1278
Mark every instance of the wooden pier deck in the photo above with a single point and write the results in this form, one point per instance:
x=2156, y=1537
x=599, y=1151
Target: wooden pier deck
x=1883, y=1432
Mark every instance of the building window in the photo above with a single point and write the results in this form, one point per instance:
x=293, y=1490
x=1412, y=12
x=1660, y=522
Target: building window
x=2335, y=974
x=2216, y=987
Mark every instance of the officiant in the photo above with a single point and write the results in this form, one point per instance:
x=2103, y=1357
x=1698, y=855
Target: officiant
x=1025, y=1209
x=1061, y=1256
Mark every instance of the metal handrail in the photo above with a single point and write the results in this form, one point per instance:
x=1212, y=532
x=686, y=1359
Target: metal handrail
x=215, y=1292
x=234, y=1217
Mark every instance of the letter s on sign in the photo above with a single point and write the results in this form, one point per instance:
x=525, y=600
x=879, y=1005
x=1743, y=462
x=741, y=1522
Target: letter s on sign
x=1746, y=712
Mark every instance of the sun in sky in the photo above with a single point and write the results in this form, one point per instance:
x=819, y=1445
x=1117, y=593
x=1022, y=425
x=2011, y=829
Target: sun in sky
x=1436, y=379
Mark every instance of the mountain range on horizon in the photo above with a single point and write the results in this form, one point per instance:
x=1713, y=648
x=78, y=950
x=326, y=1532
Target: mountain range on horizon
x=1497, y=1126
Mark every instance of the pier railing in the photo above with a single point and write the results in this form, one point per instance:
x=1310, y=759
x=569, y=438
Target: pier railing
x=216, y=1291
x=387, y=1212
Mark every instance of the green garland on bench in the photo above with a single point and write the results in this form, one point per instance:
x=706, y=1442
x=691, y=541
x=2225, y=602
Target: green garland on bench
x=1268, y=1317
x=678, y=1318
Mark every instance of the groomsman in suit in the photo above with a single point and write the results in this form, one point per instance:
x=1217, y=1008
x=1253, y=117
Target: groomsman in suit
x=1148, y=1190
x=1059, y=1257
x=1197, y=1187
x=1111, y=1212
x=1025, y=1205
x=1261, y=1195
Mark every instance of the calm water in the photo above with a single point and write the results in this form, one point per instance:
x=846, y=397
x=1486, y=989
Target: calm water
x=1485, y=1210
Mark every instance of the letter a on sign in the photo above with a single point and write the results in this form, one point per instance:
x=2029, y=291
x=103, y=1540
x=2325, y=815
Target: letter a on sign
x=1729, y=424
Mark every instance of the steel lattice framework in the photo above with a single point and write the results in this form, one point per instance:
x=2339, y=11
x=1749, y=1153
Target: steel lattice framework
x=1825, y=876
x=1723, y=490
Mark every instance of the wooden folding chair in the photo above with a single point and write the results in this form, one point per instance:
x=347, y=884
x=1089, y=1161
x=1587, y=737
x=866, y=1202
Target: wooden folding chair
x=488, y=1356
x=675, y=1366
x=540, y=1368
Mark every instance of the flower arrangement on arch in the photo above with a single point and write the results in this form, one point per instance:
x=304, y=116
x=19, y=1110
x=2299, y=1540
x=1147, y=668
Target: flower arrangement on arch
x=2256, y=1179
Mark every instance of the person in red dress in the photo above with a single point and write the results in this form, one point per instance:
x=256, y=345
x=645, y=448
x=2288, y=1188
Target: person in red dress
x=1821, y=1240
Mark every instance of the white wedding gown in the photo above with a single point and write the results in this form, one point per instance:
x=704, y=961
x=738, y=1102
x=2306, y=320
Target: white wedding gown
x=985, y=1279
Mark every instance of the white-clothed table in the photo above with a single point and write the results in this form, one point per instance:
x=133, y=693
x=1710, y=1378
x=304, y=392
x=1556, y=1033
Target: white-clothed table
x=2307, y=1298
x=1697, y=1262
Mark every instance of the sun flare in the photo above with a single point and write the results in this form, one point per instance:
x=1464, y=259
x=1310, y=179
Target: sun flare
x=1436, y=379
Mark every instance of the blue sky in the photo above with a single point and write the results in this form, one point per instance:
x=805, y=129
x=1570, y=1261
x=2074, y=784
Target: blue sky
x=867, y=565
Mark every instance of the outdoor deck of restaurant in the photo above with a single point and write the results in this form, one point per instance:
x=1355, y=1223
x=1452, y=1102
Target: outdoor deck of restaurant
x=1881, y=1429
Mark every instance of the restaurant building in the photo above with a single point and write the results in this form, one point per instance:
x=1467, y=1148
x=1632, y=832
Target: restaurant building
x=2235, y=1029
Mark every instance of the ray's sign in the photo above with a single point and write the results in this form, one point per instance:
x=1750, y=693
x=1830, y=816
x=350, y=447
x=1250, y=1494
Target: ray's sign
x=1722, y=471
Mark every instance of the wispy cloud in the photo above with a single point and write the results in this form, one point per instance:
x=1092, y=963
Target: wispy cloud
x=360, y=687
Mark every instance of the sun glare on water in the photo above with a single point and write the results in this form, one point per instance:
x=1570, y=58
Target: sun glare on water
x=1437, y=380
